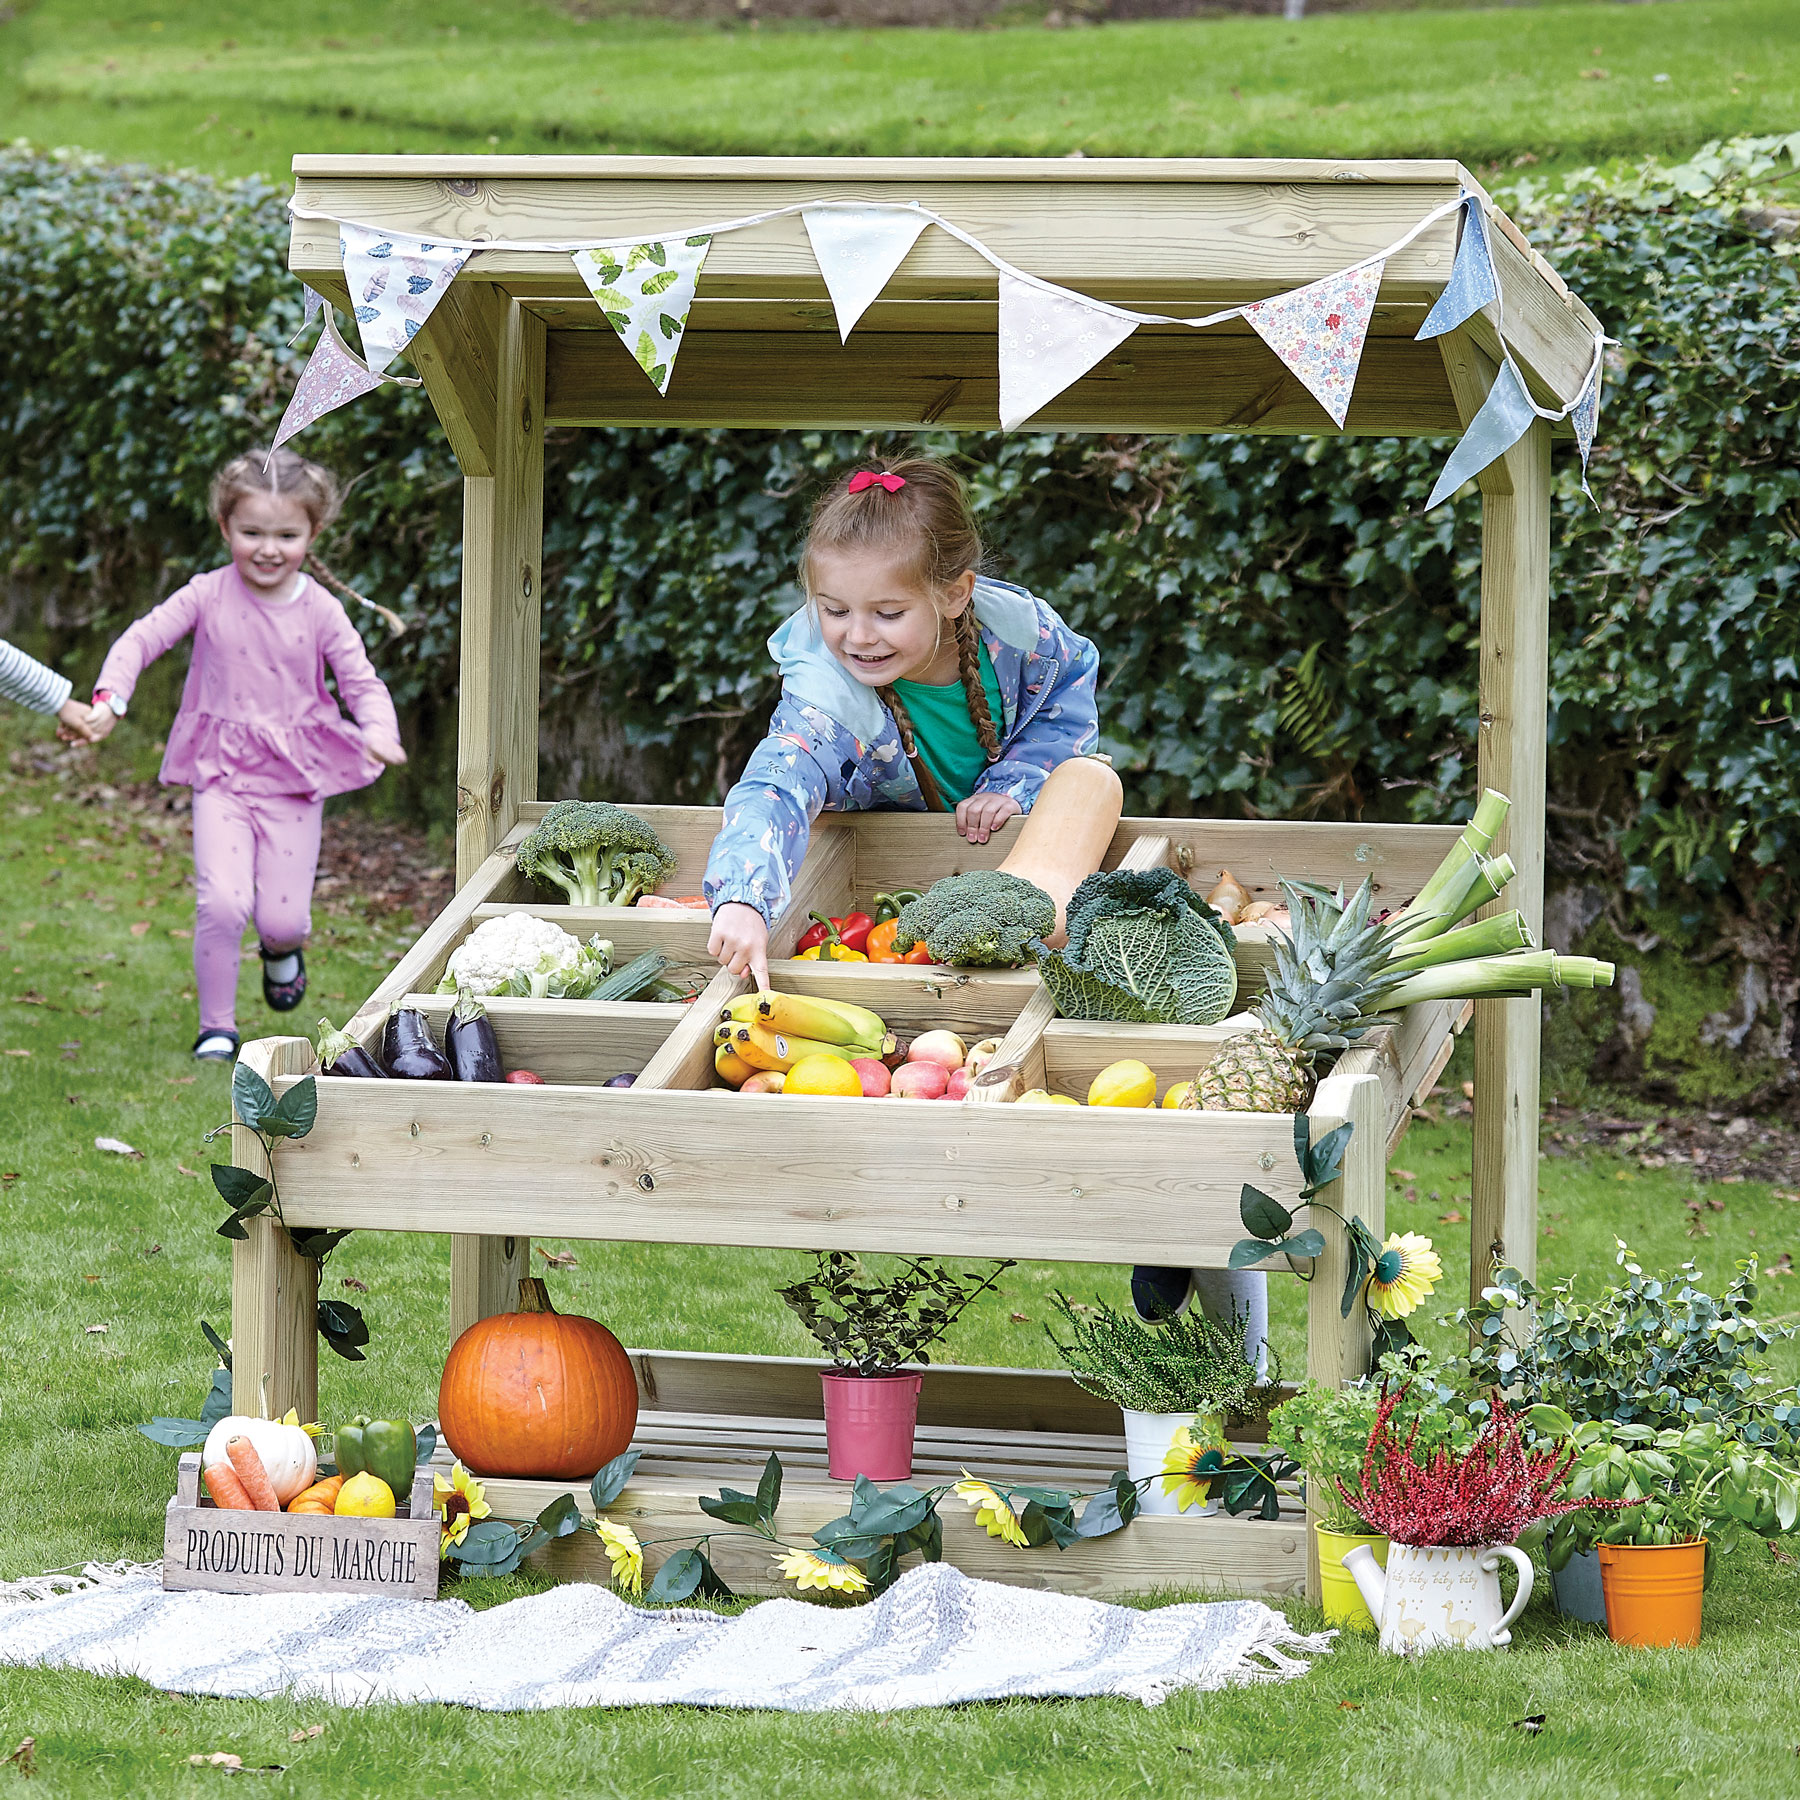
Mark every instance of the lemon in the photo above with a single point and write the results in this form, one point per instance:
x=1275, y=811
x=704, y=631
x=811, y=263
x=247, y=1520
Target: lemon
x=1177, y=1096
x=1043, y=1097
x=365, y=1496
x=1127, y=1083
x=823, y=1074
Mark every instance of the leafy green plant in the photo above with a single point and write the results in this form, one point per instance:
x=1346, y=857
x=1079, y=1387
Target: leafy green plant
x=190, y=1434
x=877, y=1324
x=1189, y=1363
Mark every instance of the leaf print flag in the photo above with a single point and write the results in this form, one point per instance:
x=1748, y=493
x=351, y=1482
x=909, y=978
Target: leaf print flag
x=1049, y=339
x=394, y=283
x=1318, y=331
x=645, y=291
x=333, y=377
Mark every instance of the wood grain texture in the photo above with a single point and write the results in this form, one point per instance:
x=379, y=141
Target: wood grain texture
x=568, y=1041
x=458, y=355
x=274, y=1289
x=484, y=1277
x=1076, y=1050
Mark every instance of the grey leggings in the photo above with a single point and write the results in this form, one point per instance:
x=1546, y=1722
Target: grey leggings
x=1225, y=1292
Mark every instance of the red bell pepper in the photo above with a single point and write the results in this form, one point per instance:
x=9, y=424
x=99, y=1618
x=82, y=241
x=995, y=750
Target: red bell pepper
x=851, y=932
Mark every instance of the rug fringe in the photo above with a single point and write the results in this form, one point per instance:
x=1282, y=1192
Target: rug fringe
x=56, y=1582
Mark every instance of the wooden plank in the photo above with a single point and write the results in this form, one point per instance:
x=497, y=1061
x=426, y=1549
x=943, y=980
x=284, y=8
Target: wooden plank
x=484, y=1277
x=1076, y=1050
x=458, y=355
x=1337, y=1348
x=1515, y=609
x=631, y=930
x=274, y=1289
x=974, y=1003
x=569, y=1041
x=502, y=556
x=895, y=380
x=647, y=1166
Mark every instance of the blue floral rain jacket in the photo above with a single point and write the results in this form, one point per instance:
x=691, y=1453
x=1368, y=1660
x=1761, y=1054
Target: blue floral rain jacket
x=832, y=746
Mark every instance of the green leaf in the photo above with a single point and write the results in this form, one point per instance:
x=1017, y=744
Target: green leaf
x=251, y=1097
x=768, y=1490
x=560, y=1518
x=341, y=1326
x=217, y=1404
x=1310, y=1242
x=734, y=1507
x=217, y=1342
x=1263, y=1216
x=315, y=1246
x=1247, y=1251
x=487, y=1542
x=298, y=1108
x=176, y=1434
x=677, y=1578
x=238, y=1187
x=1361, y=1264
x=610, y=1482
x=424, y=1445
x=1323, y=1162
x=232, y=1229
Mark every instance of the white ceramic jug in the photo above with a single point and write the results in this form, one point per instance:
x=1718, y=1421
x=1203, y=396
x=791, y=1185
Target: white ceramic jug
x=1433, y=1595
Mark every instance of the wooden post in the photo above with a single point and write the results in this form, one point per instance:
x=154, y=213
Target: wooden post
x=274, y=1289
x=1337, y=1348
x=484, y=1277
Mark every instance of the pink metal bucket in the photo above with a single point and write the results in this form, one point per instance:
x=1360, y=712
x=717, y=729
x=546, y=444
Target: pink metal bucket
x=869, y=1421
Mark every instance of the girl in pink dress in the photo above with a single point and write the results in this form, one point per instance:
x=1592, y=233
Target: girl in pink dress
x=259, y=737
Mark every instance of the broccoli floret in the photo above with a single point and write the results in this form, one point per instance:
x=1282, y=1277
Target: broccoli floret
x=981, y=920
x=597, y=853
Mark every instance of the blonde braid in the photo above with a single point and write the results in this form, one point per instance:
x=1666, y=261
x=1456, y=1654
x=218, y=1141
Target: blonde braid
x=340, y=586
x=968, y=666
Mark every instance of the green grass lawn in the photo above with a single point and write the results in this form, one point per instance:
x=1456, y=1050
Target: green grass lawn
x=89, y=1239
x=242, y=91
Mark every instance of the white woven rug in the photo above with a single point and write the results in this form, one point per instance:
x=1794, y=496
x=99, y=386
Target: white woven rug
x=934, y=1639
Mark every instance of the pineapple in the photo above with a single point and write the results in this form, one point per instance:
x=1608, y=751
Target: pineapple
x=1328, y=974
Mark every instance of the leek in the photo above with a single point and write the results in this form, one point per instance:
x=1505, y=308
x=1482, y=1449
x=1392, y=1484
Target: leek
x=1474, y=844
x=1498, y=936
x=1472, y=886
x=1512, y=977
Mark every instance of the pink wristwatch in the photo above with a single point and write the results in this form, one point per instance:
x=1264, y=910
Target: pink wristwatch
x=106, y=697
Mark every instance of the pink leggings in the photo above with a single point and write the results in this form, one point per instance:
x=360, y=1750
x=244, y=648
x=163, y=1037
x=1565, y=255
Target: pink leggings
x=251, y=852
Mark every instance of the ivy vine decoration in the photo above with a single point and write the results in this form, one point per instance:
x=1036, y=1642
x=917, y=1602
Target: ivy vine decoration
x=248, y=1194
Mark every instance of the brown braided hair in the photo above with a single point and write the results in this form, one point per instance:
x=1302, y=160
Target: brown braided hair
x=927, y=528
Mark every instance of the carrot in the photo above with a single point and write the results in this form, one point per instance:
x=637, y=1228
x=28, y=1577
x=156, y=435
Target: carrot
x=227, y=1491
x=250, y=1471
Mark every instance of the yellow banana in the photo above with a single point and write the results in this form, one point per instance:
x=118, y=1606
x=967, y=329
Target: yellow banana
x=742, y=1010
x=756, y=1055
x=732, y=1069
x=724, y=1032
x=824, y=1021
x=783, y=1051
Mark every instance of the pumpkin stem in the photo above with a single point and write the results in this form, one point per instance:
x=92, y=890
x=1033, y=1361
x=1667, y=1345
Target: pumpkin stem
x=534, y=1297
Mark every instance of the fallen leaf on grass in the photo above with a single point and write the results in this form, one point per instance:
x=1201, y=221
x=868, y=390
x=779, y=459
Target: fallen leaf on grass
x=1410, y=1196
x=1531, y=1724
x=140, y=928
x=1020, y=1319
x=94, y=1331
x=1783, y=1194
x=1468, y=1088
x=10, y=1174
x=1786, y=1558
x=24, y=1758
x=1402, y=1175
x=1349, y=1706
x=177, y=932
x=154, y=1250
x=70, y=1050
x=18, y=1053
x=557, y=1259
x=355, y=1286
x=90, y=1278
x=31, y=997
x=1450, y=1218
x=1782, y=1265
x=181, y=1080
x=193, y=1174
x=118, y=1147
x=220, y=1759
x=309, y=1731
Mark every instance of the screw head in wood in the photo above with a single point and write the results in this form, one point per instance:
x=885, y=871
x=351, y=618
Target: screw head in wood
x=414, y=1128
x=953, y=1202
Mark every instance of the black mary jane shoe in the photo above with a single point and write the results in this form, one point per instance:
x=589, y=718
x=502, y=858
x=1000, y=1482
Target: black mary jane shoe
x=216, y=1046
x=283, y=996
x=1159, y=1294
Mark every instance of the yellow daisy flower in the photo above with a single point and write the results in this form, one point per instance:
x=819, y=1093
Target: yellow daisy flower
x=459, y=1501
x=1195, y=1454
x=991, y=1510
x=1407, y=1270
x=315, y=1431
x=625, y=1554
x=806, y=1570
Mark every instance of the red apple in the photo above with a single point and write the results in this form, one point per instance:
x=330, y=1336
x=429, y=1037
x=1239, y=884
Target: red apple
x=958, y=1084
x=944, y=1048
x=920, y=1081
x=875, y=1077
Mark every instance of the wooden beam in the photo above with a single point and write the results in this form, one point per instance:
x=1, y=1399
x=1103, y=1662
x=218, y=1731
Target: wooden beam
x=484, y=1277
x=274, y=1289
x=1515, y=625
x=458, y=354
x=1194, y=382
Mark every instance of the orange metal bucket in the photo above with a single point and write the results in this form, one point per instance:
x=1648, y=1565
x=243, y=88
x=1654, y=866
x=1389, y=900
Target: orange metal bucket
x=1653, y=1593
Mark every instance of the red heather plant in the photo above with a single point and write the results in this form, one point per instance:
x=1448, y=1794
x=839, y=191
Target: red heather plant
x=1484, y=1494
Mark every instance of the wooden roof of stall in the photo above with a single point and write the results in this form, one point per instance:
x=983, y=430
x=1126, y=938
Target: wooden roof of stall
x=1185, y=235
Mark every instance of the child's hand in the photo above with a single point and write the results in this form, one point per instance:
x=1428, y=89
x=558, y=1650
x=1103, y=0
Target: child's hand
x=79, y=723
x=740, y=940
x=387, y=749
x=981, y=815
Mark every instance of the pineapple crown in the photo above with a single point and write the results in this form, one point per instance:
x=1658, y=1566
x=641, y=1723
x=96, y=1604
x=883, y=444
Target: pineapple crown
x=1330, y=970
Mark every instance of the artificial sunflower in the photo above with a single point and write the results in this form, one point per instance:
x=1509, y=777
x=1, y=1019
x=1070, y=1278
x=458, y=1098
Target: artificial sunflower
x=806, y=1569
x=459, y=1502
x=315, y=1431
x=1196, y=1454
x=625, y=1554
x=1406, y=1271
x=992, y=1510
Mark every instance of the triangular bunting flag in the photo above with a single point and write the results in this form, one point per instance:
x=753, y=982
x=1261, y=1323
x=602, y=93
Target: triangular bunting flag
x=312, y=302
x=859, y=248
x=1318, y=331
x=394, y=283
x=645, y=291
x=1505, y=417
x=1471, y=285
x=1585, y=417
x=333, y=377
x=1049, y=339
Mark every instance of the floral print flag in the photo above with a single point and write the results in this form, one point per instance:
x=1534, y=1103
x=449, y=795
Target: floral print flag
x=1049, y=339
x=394, y=283
x=645, y=291
x=1318, y=331
x=333, y=377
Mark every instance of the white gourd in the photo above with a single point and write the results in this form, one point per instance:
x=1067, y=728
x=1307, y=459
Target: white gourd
x=288, y=1456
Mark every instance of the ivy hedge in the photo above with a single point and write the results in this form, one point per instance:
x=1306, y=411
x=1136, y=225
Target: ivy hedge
x=1284, y=630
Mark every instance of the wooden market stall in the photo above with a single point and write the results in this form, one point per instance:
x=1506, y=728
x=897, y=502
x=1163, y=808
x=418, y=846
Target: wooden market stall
x=517, y=345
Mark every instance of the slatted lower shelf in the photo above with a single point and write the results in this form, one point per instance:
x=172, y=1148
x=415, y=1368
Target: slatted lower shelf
x=689, y=1454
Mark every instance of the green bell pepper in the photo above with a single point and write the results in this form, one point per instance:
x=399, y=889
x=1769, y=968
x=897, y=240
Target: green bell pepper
x=386, y=1448
x=887, y=906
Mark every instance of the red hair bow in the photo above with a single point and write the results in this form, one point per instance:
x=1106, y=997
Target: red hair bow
x=868, y=478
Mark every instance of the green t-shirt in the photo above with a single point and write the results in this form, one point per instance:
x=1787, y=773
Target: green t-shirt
x=945, y=733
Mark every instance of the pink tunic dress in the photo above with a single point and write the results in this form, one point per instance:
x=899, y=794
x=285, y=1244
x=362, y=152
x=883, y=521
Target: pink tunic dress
x=256, y=716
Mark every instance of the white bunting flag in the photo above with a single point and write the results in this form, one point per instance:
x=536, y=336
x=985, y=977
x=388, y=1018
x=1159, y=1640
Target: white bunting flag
x=394, y=283
x=1318, y=331
x=645, y=291
x=1586, y=420
x=333, y=377
x=1049, y=339
x=1505, y=416
x=859, y=248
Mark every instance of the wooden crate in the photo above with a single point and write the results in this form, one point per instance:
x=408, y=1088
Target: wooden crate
x=229, y=1552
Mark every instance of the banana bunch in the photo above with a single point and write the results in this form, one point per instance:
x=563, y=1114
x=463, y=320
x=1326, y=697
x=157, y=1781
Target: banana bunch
x=768, y=1033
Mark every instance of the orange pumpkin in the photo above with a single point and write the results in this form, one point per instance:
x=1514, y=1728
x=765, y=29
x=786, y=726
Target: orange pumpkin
x=321, y=1497
x=536, y=1394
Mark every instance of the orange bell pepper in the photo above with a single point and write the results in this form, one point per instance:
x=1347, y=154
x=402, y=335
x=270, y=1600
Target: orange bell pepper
x=881, y=946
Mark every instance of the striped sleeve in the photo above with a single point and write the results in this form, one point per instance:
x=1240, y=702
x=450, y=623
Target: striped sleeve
x=25, y=681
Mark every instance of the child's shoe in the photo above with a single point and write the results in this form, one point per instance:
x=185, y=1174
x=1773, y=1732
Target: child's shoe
x=1158, y=1294
x=216, y=1046
x=285, y=993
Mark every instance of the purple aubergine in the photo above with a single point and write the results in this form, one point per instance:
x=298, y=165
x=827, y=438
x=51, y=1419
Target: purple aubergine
x=341, y=1054
x=619, y=1081
x=407, y=1049
x=470, y=1043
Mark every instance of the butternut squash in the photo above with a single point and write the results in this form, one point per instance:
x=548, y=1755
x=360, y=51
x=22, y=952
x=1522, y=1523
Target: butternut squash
x=1065, y=836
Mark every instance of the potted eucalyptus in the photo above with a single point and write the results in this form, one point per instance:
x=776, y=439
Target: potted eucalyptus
x=1657, y=1351
x=873, y=1326
x=1179, y=1384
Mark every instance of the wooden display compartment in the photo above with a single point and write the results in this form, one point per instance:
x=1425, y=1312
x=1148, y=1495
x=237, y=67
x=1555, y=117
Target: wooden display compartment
x=231, y=1552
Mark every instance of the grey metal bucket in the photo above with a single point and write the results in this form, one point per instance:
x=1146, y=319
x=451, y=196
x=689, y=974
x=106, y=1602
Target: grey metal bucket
x=1579, y=1594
